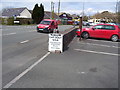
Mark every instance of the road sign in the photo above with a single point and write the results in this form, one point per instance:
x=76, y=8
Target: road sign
x=55, y=42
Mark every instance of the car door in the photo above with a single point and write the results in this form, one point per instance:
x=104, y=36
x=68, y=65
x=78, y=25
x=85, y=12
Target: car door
x=108, y=31
x=97, y=31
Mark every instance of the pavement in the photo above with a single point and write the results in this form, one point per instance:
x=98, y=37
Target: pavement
x=88, y=63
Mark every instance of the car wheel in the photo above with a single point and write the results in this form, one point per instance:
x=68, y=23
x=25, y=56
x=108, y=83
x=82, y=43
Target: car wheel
x=114, y=38
x=85, y=35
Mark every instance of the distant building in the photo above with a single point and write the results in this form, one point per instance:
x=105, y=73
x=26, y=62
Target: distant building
x=16, y=12
x=94, y=20
x=65, y=16
x=23, y=13
x=48, y=15
x=97, y=21
x=66, y=19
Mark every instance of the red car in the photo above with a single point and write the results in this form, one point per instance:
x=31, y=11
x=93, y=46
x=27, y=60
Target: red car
x=106, y=31
x=47, y=25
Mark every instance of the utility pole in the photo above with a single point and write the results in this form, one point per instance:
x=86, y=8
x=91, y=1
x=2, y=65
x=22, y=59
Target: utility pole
x=80, y=27
x=58, y=8
x=80, y=24
x=83, y=9
x=116, y=6
x=117, y=11
x=52, y=10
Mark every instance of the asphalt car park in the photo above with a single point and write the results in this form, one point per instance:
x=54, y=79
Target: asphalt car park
x=89, y=63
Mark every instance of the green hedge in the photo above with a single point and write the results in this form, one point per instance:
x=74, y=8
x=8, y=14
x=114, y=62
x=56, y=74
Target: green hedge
x=25, y=21
x=10, y=21
x=6, y=21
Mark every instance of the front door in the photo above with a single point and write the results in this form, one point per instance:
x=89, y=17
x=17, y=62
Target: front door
x=97, y=31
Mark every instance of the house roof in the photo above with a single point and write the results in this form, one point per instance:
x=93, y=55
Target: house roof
x=12, y=11
x=48, y=15
x=65, y=16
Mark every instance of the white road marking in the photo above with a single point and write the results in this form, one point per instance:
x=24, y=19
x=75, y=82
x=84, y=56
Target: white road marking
x=26, y=71
x=24, y=41
x=102, y=41
x=9, y=34
x=82, y=72
x=105, y=53
x=100, y=45
x=14, y=33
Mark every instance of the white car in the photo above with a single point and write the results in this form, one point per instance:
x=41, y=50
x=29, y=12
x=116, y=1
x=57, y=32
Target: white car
x=112, y=23
x=92, y=24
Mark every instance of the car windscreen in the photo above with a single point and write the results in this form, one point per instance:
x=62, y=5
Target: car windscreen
x=45, y=22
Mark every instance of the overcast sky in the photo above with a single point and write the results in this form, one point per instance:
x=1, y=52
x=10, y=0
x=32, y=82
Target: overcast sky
x=68, y=6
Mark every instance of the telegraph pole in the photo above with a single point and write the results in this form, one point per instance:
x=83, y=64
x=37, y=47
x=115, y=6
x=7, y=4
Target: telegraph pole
x=83, y=9
x=116, y=6
x=52, y=10
x=58, y=8
x=117, y=11
x=80, y=27
x=80, y=24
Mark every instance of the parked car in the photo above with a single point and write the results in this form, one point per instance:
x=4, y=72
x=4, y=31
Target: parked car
x=47, y=25
x=76, y=22
x=114, y=24
x=85, y=23
x=91, y=23
x=106, y=31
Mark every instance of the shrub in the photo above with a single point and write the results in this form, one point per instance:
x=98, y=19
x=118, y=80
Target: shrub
x=10, y=21
x=25, y=21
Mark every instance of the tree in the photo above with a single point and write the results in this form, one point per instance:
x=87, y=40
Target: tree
x=85, y=18
x=38, y=13
x=118, y=17
x=41, y=12
x=35, y=13
x=105, y=15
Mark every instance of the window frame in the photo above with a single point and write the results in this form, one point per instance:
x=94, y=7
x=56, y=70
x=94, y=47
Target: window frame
x=98, y=28
x=109, y=28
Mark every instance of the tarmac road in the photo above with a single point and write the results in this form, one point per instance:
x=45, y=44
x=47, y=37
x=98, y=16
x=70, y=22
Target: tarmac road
x=21, y=47
x=91, y=63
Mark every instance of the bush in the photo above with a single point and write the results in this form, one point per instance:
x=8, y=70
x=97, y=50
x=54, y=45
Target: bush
x=3, y=21
x=25, y=21
x=10, y=21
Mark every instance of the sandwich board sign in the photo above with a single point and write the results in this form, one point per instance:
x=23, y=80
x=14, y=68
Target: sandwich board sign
x=55, y=42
